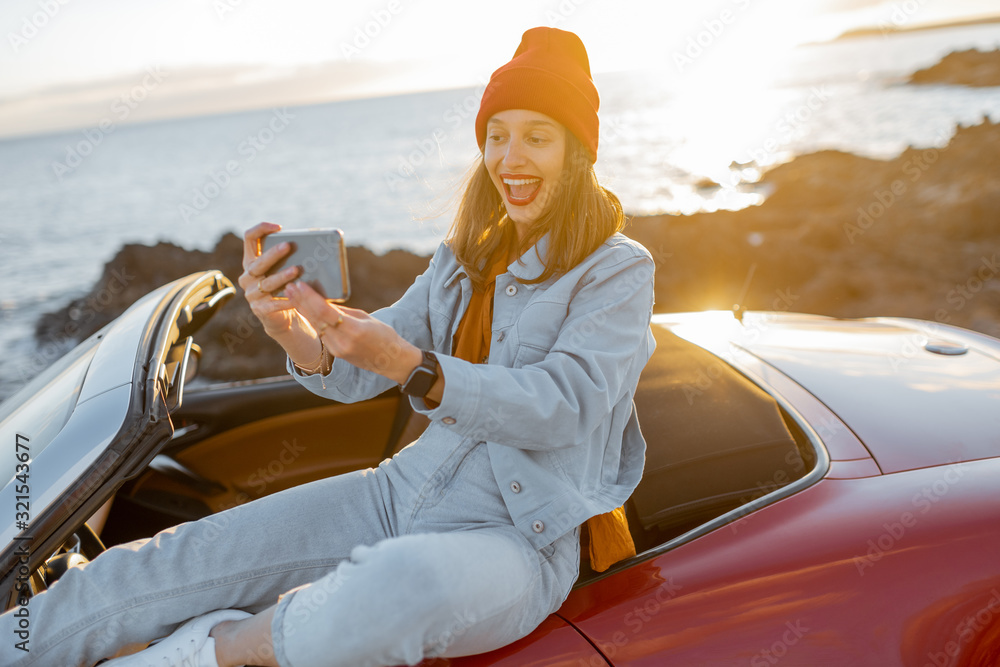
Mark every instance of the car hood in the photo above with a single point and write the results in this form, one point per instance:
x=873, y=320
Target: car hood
x=916, y=393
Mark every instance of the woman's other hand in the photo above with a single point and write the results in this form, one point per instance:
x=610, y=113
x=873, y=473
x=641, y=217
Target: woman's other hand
x=355, y=336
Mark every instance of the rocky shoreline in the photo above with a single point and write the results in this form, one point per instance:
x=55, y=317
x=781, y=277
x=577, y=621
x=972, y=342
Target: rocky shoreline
x=233, y=345
x=962, y=68
x=840, y=235
x=847, y=236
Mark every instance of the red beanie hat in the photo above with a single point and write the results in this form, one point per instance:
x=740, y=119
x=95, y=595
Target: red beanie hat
x=550, y=74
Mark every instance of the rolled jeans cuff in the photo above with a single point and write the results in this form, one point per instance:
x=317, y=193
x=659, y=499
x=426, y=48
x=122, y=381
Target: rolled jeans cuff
x=278, y=626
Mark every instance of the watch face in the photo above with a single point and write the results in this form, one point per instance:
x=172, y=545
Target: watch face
x=420, y=382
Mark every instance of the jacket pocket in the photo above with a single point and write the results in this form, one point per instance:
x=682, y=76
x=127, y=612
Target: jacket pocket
x=539, y=325
x=528, y=354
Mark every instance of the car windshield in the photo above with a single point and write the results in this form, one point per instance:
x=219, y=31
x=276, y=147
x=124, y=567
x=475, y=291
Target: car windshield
x=42, y=407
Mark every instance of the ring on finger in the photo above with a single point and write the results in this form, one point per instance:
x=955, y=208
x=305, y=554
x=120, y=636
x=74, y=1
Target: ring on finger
x=325, y=325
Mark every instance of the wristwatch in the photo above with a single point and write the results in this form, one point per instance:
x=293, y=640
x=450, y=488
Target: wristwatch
x=423, y=377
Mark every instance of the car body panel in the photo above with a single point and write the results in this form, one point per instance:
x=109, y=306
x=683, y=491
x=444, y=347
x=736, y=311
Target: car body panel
x=845, y=572
x=554, y=643
x=910, y=393
x=119, y=421
x=68, y=456
x=884, y=552
x=114, y=362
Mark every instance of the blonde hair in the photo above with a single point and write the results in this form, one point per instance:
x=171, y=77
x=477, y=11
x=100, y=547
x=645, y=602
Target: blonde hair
x=580, y=216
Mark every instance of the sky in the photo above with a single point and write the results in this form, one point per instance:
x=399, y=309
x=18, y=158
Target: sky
x=65, y=63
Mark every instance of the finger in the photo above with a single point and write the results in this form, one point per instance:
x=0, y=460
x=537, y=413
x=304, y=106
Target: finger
x=356, y=313
x=264, y=264
x=269, y=285
x=263, y=307
x=251, y=240
x=312, y=306
x=257, y=272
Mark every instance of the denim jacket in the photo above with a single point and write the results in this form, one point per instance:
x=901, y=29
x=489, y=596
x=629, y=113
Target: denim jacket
x=554, y=403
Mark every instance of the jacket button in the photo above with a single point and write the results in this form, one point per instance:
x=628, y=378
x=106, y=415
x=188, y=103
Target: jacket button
x=538, y=526
x=515, y=487
x=511, y=290
x=449, y=420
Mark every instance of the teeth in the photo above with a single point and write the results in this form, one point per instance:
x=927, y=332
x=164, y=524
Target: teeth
x=520, y=181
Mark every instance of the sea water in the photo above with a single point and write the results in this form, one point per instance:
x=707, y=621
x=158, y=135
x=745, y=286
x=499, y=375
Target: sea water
x=387, y=170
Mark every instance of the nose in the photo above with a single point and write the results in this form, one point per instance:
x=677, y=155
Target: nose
x=515, y=155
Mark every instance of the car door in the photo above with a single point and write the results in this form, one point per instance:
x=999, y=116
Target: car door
x=94, y=419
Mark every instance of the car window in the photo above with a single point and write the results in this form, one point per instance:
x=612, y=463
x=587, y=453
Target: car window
x=43, y=406
x=715, y=441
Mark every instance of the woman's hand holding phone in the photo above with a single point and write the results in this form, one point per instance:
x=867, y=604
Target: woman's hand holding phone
x=280, y=319
x=277, y=316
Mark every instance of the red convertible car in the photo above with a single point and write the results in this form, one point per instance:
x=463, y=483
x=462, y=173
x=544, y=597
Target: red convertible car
x=817, y=491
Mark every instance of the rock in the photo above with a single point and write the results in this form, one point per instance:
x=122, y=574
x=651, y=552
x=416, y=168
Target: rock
x=963, y=68
x=234, y=347
x=841, y=235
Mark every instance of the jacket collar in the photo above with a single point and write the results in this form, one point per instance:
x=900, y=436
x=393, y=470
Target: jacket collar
x=527, y=267
x=530, y=265
x=456, y=274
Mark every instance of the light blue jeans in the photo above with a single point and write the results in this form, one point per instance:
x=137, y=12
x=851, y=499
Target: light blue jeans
x=415, y=558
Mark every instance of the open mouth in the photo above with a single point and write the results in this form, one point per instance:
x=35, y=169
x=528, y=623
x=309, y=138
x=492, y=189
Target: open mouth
x=521, y=190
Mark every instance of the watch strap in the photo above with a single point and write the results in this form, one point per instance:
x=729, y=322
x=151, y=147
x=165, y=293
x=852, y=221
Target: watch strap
x=423, y=377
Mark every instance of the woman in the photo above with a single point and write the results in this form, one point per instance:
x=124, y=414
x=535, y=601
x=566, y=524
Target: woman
x=522, y=343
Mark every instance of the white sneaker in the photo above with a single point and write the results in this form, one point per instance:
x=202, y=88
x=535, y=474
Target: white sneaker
x=188, y=646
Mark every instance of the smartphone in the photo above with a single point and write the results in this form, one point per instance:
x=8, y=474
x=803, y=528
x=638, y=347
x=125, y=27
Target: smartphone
x=322, y=256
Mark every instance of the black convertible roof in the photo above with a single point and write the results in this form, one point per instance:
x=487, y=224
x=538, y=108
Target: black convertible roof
x=714, y=439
